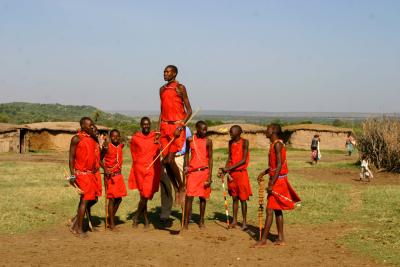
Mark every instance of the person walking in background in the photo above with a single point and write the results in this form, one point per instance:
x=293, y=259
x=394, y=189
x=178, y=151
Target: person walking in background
x=350, y=143
x=315, y=151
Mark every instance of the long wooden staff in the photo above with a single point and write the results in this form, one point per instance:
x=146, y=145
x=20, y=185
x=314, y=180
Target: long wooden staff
x=298, y=204
x=261, y=193
x=106, y=201
x=173, y=139
x=225, y=203
x=80, y=192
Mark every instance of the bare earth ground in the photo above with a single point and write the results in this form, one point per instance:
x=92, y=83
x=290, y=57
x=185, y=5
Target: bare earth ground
x=213, y=246
x=316, y=245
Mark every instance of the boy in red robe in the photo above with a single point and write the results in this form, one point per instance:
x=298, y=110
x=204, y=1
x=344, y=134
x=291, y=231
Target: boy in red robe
x=281, y=195
x=82, y=165
x=112, y=158
x=175, y=112
x=199, y=171
x=143, y=178
x=238, y=178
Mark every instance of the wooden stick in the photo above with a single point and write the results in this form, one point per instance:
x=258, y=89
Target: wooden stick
x=285, y=198
x=105, y=202
x=173, y=139
x=80, y=192
x=261, y=193
x=89, y=221
x=226, y=204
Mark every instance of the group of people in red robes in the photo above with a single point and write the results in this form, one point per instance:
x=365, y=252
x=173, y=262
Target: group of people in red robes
x=154, y=150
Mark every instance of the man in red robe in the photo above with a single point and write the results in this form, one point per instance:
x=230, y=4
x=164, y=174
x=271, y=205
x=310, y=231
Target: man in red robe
x=198, y=171
x=82, y=165
x=175, y=112
x=281, y=195
x=112, y=157
x=144, y=176
x=238, y=179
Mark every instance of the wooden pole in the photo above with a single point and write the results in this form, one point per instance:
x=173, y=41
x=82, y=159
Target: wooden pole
x=173, y=139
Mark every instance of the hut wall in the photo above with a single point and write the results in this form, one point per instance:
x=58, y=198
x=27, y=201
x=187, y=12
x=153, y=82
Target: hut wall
x=329, y=140
x=9, y=141
x=48, y=140
x=255, y=140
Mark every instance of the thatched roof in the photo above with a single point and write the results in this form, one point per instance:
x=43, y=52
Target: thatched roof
x=6, y=127
x=63, y=126
x=247, y=128
x=253, y=129
x=316, y=128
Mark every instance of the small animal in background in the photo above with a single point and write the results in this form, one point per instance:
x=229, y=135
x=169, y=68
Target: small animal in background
x=365, y=173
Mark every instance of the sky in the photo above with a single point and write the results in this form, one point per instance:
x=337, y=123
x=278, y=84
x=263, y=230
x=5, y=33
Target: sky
x=270, y=56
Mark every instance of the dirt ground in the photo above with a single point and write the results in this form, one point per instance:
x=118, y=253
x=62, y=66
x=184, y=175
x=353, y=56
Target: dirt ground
x=213, y=246
x=165, y=246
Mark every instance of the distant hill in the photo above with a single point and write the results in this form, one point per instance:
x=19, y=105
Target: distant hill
x=22, y=113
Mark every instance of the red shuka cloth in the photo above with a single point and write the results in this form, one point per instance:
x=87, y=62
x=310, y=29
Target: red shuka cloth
x=113, y=161
x=99, y=189
x=282, y=188
x=172, y=110
x=172, y=107
x=144, y=151
x=240, y=185
x=199, y=159
x=85, y=166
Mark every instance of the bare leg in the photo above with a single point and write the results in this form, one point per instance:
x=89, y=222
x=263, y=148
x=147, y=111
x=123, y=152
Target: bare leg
x=202, y=211
x=141, y=208
x=243, y=204
x=235, y=205
x=117, y=201
x=279, y=226
x=267, y=228
x=188, y=211
x=111, y=214
x=145, y=215
x=78, y=226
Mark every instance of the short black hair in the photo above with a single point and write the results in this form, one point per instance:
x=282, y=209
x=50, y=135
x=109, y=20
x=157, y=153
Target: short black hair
x=237, y=127
x=114, y=130
x=276, y=128
x=84, y=119
x=199, y=123
x=175, y=68
x=145, y=119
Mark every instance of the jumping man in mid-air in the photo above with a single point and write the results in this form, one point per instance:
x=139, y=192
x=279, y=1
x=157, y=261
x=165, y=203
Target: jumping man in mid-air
x=175, y=112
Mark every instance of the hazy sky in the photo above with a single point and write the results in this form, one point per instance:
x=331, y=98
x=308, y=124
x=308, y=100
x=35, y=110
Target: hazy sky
x=232, y=55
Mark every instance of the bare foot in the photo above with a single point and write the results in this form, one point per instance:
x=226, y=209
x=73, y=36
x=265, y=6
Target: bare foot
x=260, y=244
x=232, y=225
x=135, y=223
x=244, y=227
x=146, y=225
x=184, y=228
x=71, y=224
x=113, y=229
x=202, y=226
x=280, y=243
x=79, y=233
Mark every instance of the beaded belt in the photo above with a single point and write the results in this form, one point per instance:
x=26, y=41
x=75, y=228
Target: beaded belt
x=198, y=169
